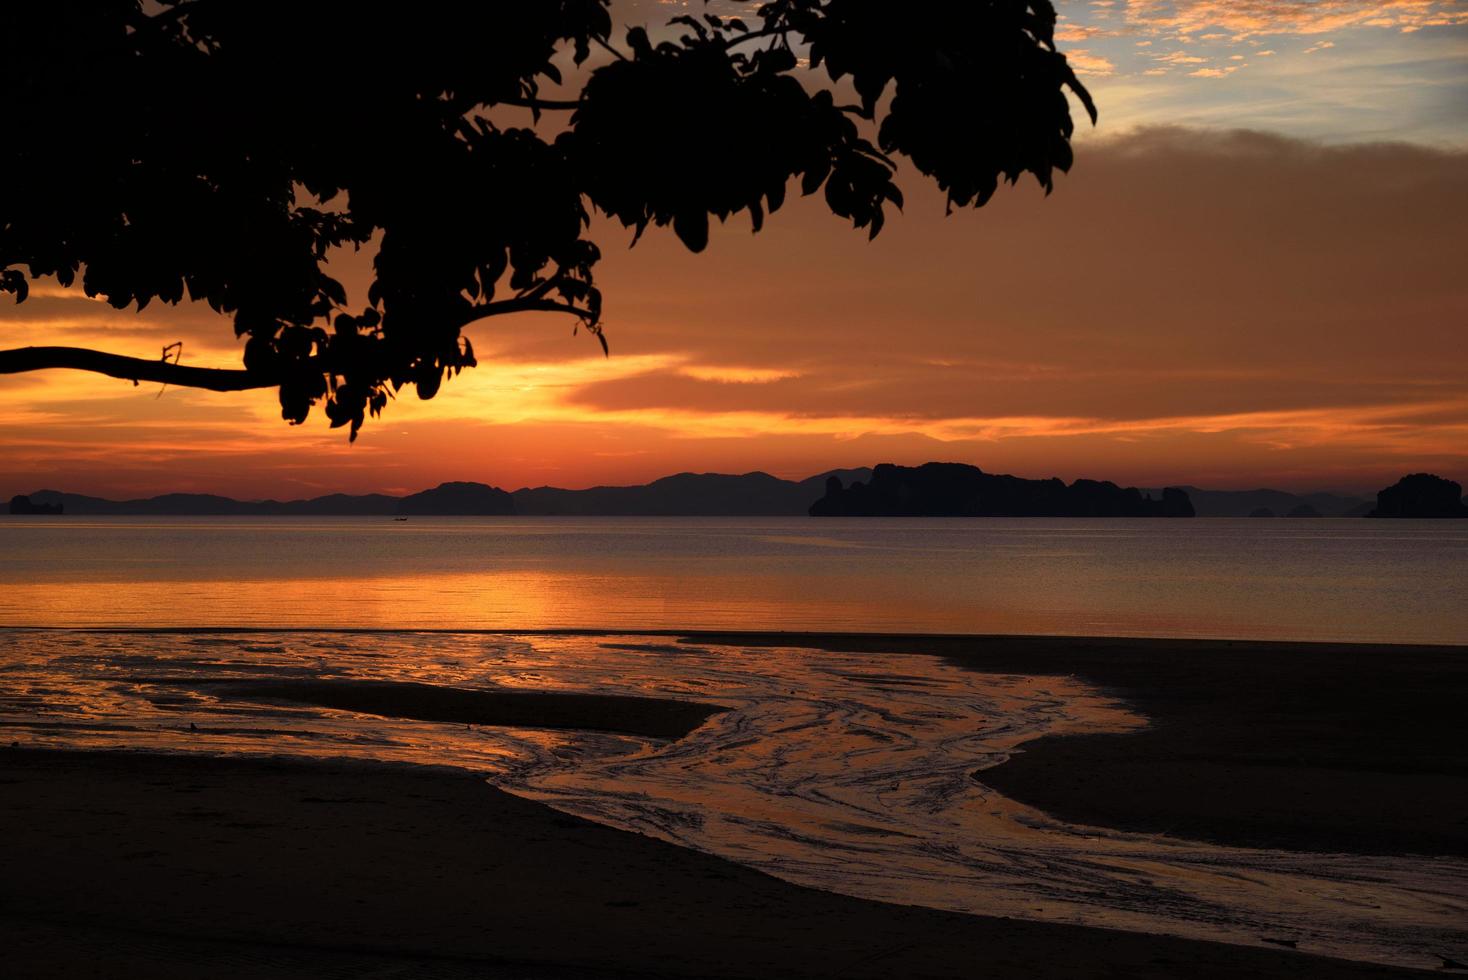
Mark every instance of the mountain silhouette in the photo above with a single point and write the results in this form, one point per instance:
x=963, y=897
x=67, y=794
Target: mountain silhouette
x=172, y=504
x=684, y=494
x=687, y=494
x=21, y=504
x=755, y=494
x=961, y=490
x=458, y=499
x=1249, y=503
x=1421, y=495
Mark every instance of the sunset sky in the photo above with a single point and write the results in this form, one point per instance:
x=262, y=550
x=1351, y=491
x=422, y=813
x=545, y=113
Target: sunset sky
x=1256, y=274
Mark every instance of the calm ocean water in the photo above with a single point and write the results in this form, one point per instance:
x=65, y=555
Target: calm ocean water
x=1280, y=579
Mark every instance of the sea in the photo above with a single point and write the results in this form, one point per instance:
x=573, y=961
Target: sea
x=1318, y=579
x=856, y=773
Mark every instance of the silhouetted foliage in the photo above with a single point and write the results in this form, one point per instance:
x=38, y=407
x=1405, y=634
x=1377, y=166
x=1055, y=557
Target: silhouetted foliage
x=220, y=150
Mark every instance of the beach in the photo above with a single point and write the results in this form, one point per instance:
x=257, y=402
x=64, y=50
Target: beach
x=146, y=865
x=1035, y=550
x=1302, y=746
x=123, y=863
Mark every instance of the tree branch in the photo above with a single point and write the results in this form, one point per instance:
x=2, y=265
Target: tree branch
x=613, y=50
x=137, y=369
x=134, y=369
x=753, y=35
x=548, y=105
x=524, y=304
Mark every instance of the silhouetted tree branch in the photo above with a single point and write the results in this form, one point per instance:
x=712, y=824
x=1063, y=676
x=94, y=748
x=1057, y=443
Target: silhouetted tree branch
x=523, y=305
x=543, y=105
x=184, y=149
x=135, y=369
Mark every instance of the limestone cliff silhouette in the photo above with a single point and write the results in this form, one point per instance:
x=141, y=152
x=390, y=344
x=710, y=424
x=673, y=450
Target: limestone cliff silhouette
x=960, y=490
x=21, y=504
x=1421, y=495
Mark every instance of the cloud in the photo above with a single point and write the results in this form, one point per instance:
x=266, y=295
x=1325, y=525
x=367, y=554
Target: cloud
x=1089, y=64
x=1395, y=69
x=1220, y=308
x=1248, y=18
x=1069, y=32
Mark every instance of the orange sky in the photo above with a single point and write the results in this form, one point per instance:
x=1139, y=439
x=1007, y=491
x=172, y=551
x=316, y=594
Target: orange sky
x=1192, y=305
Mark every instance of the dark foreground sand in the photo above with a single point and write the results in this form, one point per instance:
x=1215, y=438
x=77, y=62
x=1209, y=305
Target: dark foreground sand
x=1314, y=747
x=120, y=865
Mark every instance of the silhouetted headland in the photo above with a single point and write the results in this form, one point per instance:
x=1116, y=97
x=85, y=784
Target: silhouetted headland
x=960, y=490
x=21, y=504
x=1421, y=495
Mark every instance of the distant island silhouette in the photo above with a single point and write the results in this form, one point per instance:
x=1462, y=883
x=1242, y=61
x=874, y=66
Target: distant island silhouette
x=1272, y=503
x=961, y=490
x=21, y=504
x=945, y=488
x=682, y=495
x=459, y=499
x=1421, y=495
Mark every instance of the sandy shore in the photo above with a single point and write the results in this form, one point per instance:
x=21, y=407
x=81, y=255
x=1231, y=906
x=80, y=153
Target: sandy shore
x=1313, y=747
x=118, y=864
x=653, y=717
x=135, y=865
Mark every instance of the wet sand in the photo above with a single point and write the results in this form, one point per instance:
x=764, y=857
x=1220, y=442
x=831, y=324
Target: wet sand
x=120, y=864
x=1310, y=747
x=661, y=718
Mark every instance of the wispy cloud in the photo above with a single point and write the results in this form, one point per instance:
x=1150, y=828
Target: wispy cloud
x=1395, y=66
x=1249, y=18
x=1188, y=306
x=1090, y=64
